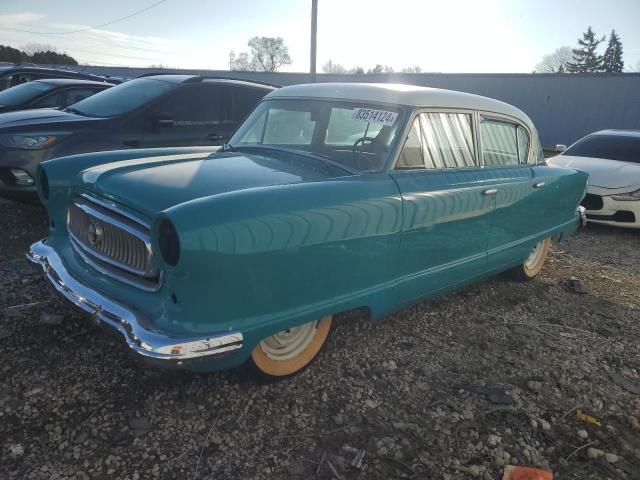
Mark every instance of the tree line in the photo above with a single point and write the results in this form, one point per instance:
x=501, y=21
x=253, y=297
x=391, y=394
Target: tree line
x=268, y=54
x=337, y=68
x=585, y=57
x=35, y=53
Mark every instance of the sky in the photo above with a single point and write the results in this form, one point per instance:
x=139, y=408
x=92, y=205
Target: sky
x=439, y=36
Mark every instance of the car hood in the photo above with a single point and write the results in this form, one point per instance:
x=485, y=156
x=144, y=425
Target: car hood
x=40, y=116
x=154, y=184
x=602, y=172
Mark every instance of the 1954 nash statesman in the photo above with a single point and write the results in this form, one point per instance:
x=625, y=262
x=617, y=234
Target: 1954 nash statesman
x=328, y=197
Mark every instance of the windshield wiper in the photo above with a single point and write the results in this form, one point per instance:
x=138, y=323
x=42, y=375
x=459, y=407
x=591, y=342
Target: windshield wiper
x=314, y=156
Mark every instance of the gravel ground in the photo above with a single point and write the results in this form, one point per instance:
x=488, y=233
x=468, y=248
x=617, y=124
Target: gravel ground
x=453, y=388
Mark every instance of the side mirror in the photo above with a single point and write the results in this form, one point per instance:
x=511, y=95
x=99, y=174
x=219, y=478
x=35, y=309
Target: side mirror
x=560, y=148
x=163, y=120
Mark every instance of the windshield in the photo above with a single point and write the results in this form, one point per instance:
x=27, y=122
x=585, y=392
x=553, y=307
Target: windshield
x=122, y=98
x=23, y=93
x=357, y=136
x=610, y=147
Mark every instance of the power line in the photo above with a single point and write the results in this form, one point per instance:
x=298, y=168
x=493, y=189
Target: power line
x=87, y=28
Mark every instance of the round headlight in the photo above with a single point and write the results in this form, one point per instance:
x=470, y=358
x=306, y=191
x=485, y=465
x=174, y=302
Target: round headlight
x=168, y=242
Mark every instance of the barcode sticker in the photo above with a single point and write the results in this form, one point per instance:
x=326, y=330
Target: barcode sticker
x=381, y=117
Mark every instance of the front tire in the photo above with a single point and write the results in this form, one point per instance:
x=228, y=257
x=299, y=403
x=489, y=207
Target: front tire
x=288, y=352
x=532, y=265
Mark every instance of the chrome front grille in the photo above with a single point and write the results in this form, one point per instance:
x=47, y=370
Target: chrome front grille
x=113, y=241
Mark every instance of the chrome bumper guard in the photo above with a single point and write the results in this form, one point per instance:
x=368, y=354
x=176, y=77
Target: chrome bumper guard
x=582, y=213
x=132, y=326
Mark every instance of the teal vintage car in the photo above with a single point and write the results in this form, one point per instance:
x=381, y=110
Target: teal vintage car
x=328, y=197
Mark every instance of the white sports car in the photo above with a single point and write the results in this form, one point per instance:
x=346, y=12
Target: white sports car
x=612, y=160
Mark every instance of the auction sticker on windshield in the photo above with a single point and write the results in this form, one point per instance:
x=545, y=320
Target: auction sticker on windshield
x=382, y=117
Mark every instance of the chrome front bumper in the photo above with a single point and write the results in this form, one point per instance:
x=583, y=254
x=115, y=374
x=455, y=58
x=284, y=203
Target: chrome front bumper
x=135, y=328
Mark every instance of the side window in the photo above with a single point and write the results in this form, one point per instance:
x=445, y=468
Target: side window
x=439, y=140
x=499, y=142
x=53, y=100
x=411, y=154
x=244, y=100
x=197, y=105
x=65, y=98
x=77, y=94
x=523, y=144
x=447, y=140
x=538, y=154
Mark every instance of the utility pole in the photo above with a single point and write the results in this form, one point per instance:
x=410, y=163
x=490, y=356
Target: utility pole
x=314, y=36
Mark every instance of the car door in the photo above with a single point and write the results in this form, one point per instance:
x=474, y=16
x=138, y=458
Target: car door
x=519, y=189
x=446, y=212
x=195, y=114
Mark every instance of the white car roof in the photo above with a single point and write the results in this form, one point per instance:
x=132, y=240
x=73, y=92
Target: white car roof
x=400, y=94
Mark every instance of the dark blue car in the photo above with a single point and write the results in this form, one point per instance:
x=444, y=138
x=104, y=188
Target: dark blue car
x=12, y=75
x=49, y=93
x=153, y=111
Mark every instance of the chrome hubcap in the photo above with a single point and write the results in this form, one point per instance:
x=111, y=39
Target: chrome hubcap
x=535, y=256
x=289, y=343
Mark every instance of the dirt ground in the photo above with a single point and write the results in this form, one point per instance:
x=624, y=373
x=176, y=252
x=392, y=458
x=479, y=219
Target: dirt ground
x=453, y=388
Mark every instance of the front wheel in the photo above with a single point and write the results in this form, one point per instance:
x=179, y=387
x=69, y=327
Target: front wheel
x=289, y=351
x=533, y=263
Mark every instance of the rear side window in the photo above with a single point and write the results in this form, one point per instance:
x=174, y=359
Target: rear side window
x=523, y=144
x=504, y=142
x=608, y=147
x=499, y=142
x=439, y=140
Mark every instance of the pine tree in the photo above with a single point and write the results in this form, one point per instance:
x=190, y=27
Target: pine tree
x=585, y=57
x=612, y=59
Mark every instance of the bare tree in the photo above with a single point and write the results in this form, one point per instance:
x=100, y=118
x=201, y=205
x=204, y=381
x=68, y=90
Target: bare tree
x=381, y=69
x=241, y=63
x=32, y=48
x=331, y=67
x=555, y=62
x=412, y=69
x=268, y=54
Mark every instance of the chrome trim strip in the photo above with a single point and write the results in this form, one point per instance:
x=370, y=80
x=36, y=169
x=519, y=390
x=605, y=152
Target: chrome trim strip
x=114, y=207
x=147, y=284
x=133, y=326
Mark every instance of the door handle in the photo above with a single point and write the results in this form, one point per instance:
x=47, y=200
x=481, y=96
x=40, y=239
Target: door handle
x=132, y=143
x=214, y=136
x=490, y=192
x=538, y=185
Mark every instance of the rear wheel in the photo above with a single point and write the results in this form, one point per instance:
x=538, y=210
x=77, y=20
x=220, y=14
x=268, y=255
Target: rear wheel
x=291, y=350
x=533, y=263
